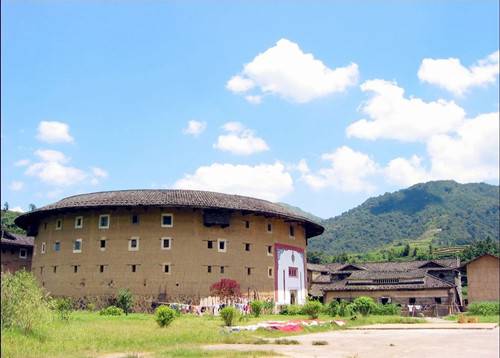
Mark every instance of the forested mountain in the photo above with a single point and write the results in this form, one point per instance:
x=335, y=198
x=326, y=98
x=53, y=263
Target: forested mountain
x=444, y=212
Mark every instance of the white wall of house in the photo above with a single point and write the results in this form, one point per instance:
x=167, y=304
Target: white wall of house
x=290, y=275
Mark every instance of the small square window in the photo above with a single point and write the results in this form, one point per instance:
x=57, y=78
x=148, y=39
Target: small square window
x=167, y=220
x=165, y=243
x=75, y=269
x=209, y=269
x=412, y=301
x=292, y=231
x=292, y=271
x=269, y=228
x=101, y=268
x=58, y=224
x=222, y=269
x=57, y=246
x=221, y=244
x=78, y=222
x=209, y=244
x=269, y=272
x=249, y=270
x=77, y=246
x=437, y=300
x=269, y=250
x=247, y=224
x=23, y=253
x=134, y=219
x=102, y=244
x=247, y=247
x=104, y=221
x=134, y=268
x=133, y=244
x=43, y=248
x=166, y=269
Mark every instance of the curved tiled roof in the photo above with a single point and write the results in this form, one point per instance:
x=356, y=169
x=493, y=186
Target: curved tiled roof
x=170, y=198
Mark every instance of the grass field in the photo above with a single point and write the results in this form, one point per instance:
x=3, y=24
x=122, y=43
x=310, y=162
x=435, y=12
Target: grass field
x=90, y=335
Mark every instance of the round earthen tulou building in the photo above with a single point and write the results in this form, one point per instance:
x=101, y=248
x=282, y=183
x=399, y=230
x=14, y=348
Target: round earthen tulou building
x=169, y=245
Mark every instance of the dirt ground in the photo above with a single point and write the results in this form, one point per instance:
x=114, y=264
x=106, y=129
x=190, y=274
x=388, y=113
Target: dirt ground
x=388, y=343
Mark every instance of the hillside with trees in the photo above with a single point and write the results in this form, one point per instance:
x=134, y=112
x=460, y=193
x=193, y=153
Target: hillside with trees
x=439, y=213
x=8, y=224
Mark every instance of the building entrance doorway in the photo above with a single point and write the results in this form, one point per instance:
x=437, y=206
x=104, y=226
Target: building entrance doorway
x=293, y=297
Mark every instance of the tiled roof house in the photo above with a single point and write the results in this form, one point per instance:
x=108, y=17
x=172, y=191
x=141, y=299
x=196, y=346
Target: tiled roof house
x=17, y=251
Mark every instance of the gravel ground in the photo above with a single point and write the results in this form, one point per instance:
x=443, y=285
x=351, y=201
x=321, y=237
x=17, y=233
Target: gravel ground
x=387, y=343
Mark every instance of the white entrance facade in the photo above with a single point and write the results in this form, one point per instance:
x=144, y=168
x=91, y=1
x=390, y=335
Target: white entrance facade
x=290, y=278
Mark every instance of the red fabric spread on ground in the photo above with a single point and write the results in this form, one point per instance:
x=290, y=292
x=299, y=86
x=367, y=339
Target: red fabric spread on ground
x=290, y=328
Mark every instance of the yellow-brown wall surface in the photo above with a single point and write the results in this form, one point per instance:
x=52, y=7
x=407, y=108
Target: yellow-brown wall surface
x=483, y=279
x=188, y=257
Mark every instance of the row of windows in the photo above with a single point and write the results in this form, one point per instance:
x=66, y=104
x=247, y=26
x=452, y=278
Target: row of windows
x=166, y=268
x=23, y=253
x=167, y=220
x=165, y=244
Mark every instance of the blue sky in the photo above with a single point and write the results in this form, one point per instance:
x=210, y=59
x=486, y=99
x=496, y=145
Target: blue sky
x=320, y=105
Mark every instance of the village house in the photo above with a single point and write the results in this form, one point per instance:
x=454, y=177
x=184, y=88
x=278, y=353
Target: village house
x=483, y=278
x=430, y=287
x=169, y=245
x=17, y=251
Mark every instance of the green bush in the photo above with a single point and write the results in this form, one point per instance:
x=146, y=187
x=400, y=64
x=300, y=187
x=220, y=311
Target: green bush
x=24, y=303
x=125, y=299
x=256, y=307
x=229, y=315
x=484, y=308
x=331, y=308
x=290, y=310
x=64, y=308
x=364, y=305
x=90, y=307
x=268, y=306
x=111, y=311
x=345, y=309
x=312, y=309
x=390, y=309
x=164, y=315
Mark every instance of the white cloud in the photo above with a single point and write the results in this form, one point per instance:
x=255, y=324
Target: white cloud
x=452, y=76
x=22, y=162
x=348, y=171
x=55, y=173
x=401, y=171
x=240, y=140
x=471, y=155
x=53, y=132
x=17, y=209
x=16, y=185
x=52, y=170
x=265, y=181
x=195, y=128
x=395, y=117
x=49, y=155
x=286, y=71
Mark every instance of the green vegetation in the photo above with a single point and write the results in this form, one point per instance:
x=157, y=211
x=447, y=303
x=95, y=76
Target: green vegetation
x=124, y=299
x=64, y=308
x=25, y=305
x=8, y=218
x=256, y=307
x=484, y=308
x=164, y=315
x=312, y=309
x=229, y=315
x=111, y=311
x=364, y=306
x=439, y=213
x=90, y=334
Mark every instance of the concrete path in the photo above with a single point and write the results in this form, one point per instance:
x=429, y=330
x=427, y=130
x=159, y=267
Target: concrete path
x=385, y=342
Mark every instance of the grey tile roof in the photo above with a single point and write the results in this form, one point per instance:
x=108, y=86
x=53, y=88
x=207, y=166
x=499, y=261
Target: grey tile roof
x=317, y=268
x=396, y=266
x=14, y=239
x=171, y=198
x=322, y=279
x=377, y=275
x=428, y=282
